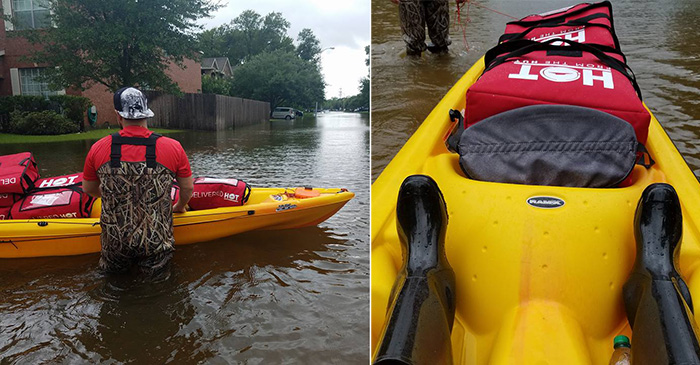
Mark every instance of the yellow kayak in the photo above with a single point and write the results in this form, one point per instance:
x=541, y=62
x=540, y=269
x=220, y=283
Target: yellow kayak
x=532, y=286
x=266, y=209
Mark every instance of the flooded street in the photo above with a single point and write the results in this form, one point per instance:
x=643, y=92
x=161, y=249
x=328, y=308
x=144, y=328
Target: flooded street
x=291, y=296
x=660, y=38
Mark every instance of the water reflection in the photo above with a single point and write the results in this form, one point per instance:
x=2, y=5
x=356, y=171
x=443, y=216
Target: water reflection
x=139, y=317
x=274, y=297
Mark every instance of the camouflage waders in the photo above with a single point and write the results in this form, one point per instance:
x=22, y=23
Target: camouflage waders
x=415, y=15
x=137, y=213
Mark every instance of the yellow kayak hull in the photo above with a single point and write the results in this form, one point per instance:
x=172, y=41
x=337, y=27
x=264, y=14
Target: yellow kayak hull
x=267, y=209
x=534, y=286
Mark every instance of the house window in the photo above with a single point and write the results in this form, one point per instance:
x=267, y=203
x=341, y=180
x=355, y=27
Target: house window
x=30, y=83
x=29, y=14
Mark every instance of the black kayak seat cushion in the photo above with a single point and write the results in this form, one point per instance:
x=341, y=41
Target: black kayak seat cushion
x=556, y=145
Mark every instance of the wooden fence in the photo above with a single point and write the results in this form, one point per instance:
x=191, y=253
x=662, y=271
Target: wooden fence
x=205, y=111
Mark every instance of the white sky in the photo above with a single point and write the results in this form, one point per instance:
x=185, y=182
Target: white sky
x=342, y=24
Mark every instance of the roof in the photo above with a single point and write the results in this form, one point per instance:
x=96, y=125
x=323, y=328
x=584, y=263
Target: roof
x=220, y=64
x=208, y=63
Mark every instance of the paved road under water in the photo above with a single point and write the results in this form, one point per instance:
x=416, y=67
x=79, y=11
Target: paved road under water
x=263, y=297
x=661, y=39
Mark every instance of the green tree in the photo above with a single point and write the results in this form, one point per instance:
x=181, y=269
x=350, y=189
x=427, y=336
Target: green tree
x=215, y=43
x=309, y=46
x=216, y=85
x=279, y=77
x=367, y=59
x=247, y=35
x=246, y=28
x=274, y=33
x=364, y=83
x=364, y=92
x=117, y=43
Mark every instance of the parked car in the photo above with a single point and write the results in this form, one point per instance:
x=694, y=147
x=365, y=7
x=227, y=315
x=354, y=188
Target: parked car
x=283, y=113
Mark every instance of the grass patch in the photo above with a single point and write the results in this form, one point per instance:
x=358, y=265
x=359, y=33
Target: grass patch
x=93, y=134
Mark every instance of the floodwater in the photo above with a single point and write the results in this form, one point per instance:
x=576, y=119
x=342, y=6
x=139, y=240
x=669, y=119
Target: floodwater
x=294, y=296
x=661, y=39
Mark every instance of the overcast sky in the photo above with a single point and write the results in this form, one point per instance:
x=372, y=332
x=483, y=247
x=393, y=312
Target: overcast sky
x=344, y=25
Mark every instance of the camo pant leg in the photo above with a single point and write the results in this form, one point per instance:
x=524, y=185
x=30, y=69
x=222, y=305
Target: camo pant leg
x=114, y=261
x=157, y=264
x=437, y=18
x=412, y=25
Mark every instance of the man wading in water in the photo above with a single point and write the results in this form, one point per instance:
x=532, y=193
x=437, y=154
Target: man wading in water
x=133, y=172
x=416, y=15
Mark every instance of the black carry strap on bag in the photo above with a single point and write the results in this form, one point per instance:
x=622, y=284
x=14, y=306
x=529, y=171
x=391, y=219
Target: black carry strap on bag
x=504, y=51
x=561, y=21
x=582, y=22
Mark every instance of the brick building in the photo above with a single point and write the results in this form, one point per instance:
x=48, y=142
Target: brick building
x=18, y=77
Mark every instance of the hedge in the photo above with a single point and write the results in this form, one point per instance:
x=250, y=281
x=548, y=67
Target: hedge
x=45, y=122
x=72, y=108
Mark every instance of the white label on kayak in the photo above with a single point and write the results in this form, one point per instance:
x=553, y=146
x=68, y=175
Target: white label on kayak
x=545, y=202
x=285, y=207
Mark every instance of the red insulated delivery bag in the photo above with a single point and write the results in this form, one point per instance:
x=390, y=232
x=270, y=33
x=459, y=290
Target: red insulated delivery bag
x=582, y=23
x=18, y=173
x=6, y=202
x=542, y=73
x=7, y=199
x=60, y=202
x=212, y=193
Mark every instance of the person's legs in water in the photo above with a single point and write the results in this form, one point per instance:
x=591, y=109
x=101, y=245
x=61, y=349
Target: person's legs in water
x=437, y=18
x=411, y=15
x=114, y=261
x=156, y=266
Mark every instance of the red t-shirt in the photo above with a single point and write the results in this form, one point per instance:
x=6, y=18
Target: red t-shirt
x=169, y=153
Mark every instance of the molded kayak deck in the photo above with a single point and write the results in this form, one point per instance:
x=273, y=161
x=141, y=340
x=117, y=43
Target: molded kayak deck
x=533, y=285
x=267, y=208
